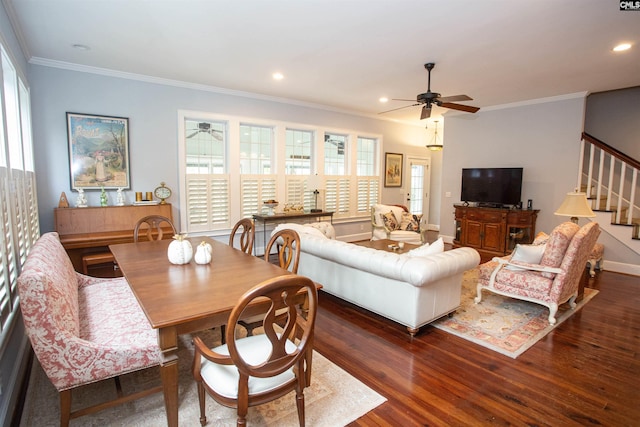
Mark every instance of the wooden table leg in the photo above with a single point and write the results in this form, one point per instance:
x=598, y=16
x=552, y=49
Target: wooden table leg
x=168, y=342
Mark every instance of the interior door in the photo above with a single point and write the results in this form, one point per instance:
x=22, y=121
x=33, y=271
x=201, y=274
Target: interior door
x=419, y=182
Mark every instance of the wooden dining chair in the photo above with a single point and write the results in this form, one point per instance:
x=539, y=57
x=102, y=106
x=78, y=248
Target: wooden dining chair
x=257, y=369
x=246, y=237
x=288, y=243
x=153, y=227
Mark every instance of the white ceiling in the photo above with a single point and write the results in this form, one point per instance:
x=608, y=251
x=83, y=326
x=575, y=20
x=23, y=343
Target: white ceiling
x=345, y=54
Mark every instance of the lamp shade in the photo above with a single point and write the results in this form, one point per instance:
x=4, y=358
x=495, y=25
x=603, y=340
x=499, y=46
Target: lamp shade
x=575, y=205
x=314, y=182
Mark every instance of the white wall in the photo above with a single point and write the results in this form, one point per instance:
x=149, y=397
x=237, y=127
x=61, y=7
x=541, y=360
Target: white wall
x=620, y=129
x=542, y=138
x=152, y=110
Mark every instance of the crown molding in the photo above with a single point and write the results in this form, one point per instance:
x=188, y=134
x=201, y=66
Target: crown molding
x=196, y=86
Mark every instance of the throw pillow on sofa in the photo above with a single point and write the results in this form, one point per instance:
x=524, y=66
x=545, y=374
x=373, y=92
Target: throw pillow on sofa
x=390, y=221
x=428, y=249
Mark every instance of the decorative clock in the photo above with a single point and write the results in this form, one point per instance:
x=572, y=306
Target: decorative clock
x=162, y=193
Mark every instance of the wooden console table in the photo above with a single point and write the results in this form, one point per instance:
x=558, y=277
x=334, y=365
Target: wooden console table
x=286, y=217
x=91, y=230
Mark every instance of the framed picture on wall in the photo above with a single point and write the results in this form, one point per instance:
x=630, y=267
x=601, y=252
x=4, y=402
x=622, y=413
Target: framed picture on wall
x=392, y=170
x=98, y=151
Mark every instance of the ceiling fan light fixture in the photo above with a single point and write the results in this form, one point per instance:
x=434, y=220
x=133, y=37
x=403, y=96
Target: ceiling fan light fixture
x=434, y=146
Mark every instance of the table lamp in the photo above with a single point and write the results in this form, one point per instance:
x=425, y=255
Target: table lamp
x=315, y=182
x=575, y=205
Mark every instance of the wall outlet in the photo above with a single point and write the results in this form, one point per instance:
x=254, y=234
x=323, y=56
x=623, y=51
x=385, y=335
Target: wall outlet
x=447, y=194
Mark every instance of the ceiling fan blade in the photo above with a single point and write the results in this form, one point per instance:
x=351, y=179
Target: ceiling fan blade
x=459, y=107
x=192, y=134
x=426, y=113
x=399, y=108
x=215, y=134
x=455, y=98
x=402, y=99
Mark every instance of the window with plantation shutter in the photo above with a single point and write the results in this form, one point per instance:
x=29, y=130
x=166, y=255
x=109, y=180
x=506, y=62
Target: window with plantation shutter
x=256, y=189
x=298, y=194
x=368, y=187
x=208, y=202
x=368, y=191
x=19, y=226
x=338, y=195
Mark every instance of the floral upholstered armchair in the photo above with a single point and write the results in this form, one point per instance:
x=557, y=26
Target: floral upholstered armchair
x=396, y=223
x=547, y=272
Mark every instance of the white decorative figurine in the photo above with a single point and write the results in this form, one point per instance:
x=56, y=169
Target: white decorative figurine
x=82, y=199
x=180, y=250
x=120, y=198
x=203, y=253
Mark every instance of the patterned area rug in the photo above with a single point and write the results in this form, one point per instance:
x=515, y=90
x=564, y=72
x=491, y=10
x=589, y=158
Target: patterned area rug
x=506, y=325
x=335, y=398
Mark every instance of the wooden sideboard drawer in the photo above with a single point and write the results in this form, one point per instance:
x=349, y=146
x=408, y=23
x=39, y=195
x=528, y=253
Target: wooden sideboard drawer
x=485, y=216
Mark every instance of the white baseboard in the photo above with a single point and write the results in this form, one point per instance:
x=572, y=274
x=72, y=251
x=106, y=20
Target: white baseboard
x=354, y=237
x=618, y=267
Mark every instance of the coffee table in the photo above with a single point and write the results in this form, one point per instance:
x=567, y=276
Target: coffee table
x=385, y=245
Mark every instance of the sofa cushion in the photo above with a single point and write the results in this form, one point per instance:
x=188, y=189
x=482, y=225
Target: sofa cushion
x=390, y=221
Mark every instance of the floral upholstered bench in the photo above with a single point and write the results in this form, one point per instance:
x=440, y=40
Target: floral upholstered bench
x=82, y=329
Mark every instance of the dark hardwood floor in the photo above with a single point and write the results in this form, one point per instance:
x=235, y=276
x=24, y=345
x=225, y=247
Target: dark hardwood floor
x=585, y=372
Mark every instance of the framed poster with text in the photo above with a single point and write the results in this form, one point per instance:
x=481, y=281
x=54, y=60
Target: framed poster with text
x=98, y=151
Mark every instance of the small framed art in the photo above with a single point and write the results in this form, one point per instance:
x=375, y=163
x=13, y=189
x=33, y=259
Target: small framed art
x=98, y=151
x=392, y=170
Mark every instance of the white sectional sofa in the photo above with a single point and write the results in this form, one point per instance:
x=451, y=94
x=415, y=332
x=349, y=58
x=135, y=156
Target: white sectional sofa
x=410, y=290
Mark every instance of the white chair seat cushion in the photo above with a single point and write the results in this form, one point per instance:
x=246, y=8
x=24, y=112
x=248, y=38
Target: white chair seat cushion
x=406, y=236
x=223, y=379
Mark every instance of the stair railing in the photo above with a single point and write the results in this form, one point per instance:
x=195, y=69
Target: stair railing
x=620, y=184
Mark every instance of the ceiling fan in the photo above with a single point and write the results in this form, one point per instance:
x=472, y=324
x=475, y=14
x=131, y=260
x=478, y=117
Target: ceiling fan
x=206, y=128
x=429, y=98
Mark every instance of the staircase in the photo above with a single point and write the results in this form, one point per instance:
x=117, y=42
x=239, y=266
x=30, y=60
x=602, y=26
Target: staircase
x=610, y=180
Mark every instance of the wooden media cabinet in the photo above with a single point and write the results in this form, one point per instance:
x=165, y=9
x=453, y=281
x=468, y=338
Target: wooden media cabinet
x=493, y=231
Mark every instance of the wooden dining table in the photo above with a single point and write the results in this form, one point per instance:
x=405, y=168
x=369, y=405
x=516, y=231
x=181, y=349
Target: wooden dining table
x=180, y=299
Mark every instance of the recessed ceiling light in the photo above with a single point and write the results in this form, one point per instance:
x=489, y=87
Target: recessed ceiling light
x=80, y=46
x=383, y=99
x=622, y=47
x=278, y=76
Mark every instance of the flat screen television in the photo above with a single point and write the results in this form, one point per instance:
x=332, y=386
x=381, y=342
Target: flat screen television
x=495, y=187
